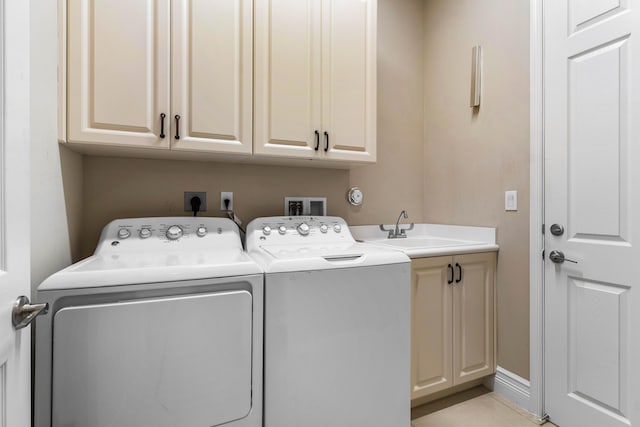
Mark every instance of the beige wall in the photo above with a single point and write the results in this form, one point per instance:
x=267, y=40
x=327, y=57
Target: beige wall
x=471, y=158
x=124, y=188
x=395, y=182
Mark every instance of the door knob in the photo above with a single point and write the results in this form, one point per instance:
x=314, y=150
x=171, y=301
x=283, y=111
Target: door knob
x=557, y=230
x=558, y=257
x=24, y=312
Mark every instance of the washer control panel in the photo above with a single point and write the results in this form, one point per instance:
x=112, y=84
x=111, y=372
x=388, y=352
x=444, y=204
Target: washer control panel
x=183, y=233
x=298, y=229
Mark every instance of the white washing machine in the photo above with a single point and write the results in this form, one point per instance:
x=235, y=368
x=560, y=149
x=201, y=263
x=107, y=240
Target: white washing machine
x=162, y=326
x=337, y=326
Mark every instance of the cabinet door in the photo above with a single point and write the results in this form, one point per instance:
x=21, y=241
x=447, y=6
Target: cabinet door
x=212, y=75
x=431, y=333
x=118, y=72
x=349, y=79
x=474, y=317
x=287, y=80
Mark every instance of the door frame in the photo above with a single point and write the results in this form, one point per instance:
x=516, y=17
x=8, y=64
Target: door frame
x=536, y=214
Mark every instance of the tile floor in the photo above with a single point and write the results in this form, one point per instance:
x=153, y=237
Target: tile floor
x=474, y=408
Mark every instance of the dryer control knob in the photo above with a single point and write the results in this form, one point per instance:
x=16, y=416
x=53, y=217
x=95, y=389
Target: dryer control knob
x=145, y=233
x=266, y=230
x=282, y=230
x=202, y=231
x=123, y=233
x=324, y=228
x=304, y=229
x=174, y=232
x=337, y=228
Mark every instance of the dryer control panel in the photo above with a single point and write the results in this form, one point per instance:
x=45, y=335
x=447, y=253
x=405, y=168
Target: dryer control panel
x=157, y=234
x=296, y=230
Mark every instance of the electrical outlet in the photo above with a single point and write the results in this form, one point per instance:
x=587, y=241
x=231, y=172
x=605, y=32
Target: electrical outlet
x=187, y=200
x=223, y=196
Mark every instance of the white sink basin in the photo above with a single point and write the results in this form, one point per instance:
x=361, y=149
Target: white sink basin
x=424, y=242
x=431, y=239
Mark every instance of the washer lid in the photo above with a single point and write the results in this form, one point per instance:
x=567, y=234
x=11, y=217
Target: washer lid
x=290, y=258
x=282, y=244
x=156, y=250
x=128, y=269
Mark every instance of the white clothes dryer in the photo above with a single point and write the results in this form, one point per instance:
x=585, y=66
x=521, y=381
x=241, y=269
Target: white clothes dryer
x=337, y=325
x=160, y=327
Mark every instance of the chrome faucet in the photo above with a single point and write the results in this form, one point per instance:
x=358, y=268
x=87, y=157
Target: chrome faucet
x=397, y=232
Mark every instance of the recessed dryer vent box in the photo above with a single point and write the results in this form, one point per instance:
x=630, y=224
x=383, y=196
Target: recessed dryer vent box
x=297, y=206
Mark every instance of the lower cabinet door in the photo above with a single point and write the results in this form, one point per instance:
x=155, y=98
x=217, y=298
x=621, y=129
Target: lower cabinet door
x=473, y=317
x=431, y=333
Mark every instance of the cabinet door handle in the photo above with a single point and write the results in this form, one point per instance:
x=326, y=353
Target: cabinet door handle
x=162, y=117
x=177, y=126
x=326, y=141
x=459, y=267
x=317, y=140
x=450, y=270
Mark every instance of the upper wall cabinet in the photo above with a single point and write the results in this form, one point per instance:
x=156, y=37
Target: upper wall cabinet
x=315, y=79
x=212, y=75
x=159, y=74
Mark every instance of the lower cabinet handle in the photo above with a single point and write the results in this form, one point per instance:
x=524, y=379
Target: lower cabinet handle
x=450, y=270
x=162, y=117
x=459, y=267
x=317, y=140
x=177, y=126
x=326, y=144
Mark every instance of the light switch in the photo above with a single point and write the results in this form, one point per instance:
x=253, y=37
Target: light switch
x=511, y=200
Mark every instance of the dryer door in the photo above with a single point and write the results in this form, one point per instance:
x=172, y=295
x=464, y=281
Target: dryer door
x=178, y=361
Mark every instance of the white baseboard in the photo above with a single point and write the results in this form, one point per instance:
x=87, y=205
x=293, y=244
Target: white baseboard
x=512, y=387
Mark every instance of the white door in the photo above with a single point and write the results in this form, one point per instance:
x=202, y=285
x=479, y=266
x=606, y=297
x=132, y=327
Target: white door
x=212, y=79
x=15, y=362
x=592, y=158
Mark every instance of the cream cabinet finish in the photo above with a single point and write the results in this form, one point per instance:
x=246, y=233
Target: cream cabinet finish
x=118, y=72
x=129, y=61
x=212, y=75
x=315, y=79
x=453, y=324
x=432, y=326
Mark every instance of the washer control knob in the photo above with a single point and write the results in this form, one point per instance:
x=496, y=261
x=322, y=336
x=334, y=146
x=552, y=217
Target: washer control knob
x=145, y=233
x=174, y=232
x=337, y=228
x=201, y=231
x=123, y=233
x=282, y=230
x=266, y=230
x=324, y=228
x=304, y=229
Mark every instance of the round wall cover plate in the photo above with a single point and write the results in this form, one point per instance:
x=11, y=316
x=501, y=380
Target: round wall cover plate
x=355, y=196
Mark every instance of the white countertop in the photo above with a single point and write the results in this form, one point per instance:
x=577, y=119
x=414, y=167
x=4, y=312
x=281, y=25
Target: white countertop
x=426, y=240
